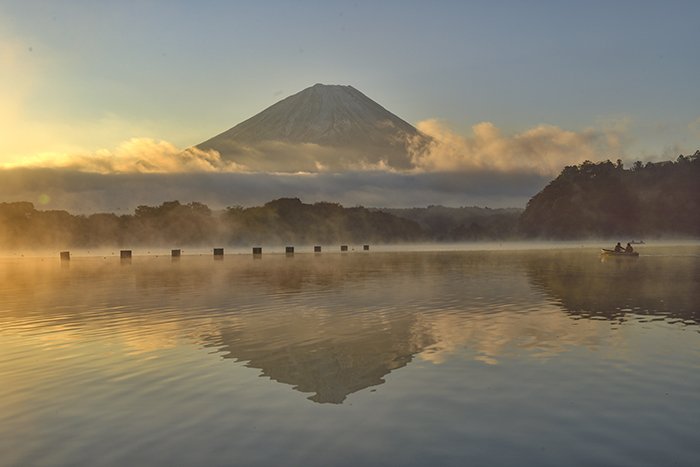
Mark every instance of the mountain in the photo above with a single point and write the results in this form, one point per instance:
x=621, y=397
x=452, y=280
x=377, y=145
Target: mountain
x=323, y=126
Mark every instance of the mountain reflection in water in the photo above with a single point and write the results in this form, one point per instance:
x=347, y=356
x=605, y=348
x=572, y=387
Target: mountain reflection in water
x=333, y=325
x=329, y=357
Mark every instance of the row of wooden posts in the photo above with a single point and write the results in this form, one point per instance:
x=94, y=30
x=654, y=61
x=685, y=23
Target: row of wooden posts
x=218, y=252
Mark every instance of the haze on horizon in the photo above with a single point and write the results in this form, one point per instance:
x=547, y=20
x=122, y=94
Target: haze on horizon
x=95, y=117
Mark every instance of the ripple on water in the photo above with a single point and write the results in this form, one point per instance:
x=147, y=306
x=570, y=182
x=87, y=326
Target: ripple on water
x=442, y=358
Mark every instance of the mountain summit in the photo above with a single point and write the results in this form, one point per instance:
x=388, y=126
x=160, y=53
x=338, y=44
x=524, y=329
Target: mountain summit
x=321, y=127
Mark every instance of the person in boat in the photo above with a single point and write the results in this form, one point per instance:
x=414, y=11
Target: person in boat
x=618, y=248
x=628, y=248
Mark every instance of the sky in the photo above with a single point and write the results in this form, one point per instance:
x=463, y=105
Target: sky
x=116, y=80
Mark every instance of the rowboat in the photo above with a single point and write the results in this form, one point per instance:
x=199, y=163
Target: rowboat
x=605, y=251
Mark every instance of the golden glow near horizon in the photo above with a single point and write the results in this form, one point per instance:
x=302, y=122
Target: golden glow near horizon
x=505, y=117
x=110, y=143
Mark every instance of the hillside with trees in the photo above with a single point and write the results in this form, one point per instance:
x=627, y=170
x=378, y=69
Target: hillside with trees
x=606, y=200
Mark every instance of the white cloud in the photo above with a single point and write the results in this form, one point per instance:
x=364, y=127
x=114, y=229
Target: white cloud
x=137, y=155
x=544, y=149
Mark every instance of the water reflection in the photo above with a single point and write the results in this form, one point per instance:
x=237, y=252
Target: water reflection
x=664, y=285
x=332, y=325
x=330, y=359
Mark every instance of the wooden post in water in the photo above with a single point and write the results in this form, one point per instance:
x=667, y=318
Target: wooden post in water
x=289, y=250
x=257, y=251
x=317, y=249
x=65, y=255
x=343, y=248
x=365, y=247
x=125, y=254
x=175, y=253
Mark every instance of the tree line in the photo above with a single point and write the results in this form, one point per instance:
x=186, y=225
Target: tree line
x=285, y=220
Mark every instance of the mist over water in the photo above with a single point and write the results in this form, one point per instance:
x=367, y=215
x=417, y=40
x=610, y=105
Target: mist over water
x=402, y=356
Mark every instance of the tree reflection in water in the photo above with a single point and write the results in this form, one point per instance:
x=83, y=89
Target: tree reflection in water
x=664, y=286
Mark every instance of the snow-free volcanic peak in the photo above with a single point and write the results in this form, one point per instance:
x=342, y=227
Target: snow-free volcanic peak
x=329, y=126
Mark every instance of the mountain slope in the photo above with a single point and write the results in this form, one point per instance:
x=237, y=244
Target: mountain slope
x=324, y=125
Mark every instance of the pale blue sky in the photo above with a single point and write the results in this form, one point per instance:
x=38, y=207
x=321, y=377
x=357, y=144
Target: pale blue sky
x=88, y=74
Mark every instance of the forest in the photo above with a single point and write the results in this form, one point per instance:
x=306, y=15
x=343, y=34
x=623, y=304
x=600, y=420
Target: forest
x=605, y=200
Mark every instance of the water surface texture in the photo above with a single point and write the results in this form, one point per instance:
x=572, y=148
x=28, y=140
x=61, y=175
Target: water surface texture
x=366, y=358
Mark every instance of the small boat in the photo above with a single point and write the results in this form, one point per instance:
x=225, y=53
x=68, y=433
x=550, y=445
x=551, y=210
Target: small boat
x=605, y=251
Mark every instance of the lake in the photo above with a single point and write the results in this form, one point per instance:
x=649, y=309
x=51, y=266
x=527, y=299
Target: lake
x=462, y=357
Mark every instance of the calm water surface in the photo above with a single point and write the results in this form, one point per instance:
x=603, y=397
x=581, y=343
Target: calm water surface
x=368, y=358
